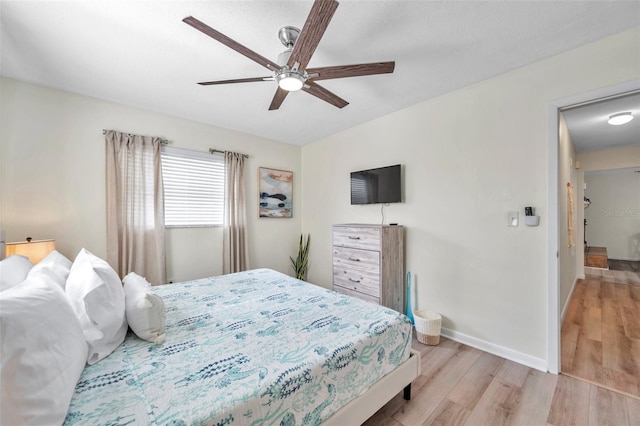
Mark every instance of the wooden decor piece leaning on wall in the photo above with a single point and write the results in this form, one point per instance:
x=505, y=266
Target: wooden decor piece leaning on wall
x=570, y=211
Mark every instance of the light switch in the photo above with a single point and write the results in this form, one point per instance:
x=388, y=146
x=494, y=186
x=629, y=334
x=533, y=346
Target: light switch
x=512, y=218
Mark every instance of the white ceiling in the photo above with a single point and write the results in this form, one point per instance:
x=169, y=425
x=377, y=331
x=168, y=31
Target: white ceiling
x=589, y=128
x=141, y=54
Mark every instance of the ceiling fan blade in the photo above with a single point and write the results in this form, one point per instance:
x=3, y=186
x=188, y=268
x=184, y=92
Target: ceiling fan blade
x=237, y=80
x=319, y=17
x=278, y=98
x=322, y=93
x=356, y=70
x=232, y=44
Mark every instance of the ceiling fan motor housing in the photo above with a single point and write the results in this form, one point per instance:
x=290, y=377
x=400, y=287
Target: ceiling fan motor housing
x=283, y=57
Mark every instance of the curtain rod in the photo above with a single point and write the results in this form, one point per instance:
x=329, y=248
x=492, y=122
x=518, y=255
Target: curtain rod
x=213, y=151
x=162, y=141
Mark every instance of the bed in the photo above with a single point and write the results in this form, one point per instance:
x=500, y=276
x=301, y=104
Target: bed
x=254, y=348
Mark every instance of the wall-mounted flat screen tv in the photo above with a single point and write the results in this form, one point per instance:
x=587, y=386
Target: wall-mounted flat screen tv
x=381, y=185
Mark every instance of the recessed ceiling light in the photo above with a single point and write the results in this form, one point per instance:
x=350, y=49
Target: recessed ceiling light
x=620, y=118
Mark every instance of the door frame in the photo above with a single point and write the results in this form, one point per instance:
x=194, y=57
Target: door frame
x=553, y=236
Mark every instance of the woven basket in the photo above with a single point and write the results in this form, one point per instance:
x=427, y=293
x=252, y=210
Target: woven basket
x=428, y=326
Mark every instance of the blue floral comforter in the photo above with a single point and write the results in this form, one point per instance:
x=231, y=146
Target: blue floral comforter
x=252, y=348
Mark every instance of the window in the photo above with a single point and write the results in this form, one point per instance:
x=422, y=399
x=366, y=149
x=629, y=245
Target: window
x=193, y=188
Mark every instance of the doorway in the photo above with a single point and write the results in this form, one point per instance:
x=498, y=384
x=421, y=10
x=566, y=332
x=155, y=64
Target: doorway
x=612, y=221
x=601, y=330
x=569, y=280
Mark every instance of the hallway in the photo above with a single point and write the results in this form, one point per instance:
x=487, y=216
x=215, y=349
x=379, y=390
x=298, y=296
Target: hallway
x=601, y=331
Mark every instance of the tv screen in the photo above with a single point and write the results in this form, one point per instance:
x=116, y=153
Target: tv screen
x=373, y=186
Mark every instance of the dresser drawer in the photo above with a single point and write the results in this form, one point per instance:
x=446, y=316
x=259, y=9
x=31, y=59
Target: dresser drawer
x=355, y=294
x=361, y=260
x=362, y=237
x=360, y=281
x=368, y=262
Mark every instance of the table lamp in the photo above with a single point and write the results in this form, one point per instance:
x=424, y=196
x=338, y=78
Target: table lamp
x=34, y=250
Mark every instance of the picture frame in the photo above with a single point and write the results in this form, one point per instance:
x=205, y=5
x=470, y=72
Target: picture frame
x=275, y=197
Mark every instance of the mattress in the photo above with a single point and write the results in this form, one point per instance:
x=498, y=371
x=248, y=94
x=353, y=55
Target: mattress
x=252, y=348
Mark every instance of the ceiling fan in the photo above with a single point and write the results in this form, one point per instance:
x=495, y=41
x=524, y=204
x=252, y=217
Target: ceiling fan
x=291, y=72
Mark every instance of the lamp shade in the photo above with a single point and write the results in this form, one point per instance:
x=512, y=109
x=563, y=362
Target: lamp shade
x=34, y=250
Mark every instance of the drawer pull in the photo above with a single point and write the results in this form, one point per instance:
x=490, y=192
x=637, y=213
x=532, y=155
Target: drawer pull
x=353, y=238
x=353, y=281
x=355, y=259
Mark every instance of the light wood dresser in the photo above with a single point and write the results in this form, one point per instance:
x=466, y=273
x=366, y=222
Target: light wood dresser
x=368, y=263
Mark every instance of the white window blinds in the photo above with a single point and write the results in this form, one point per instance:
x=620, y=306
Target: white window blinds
x=193, y=188
x=358, y=191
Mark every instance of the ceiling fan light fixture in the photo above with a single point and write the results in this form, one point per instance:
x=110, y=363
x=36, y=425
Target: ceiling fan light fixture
x=620, y=118
x=290, y=80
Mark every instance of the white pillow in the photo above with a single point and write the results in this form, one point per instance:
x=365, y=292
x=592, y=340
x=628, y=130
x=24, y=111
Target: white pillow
x=42, y=353
x=14, y=270
x=95, y=292
x=55, y=267
x=146, y=313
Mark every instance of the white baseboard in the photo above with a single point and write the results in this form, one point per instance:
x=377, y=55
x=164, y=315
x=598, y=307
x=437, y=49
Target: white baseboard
x=501, y=351
x=566, y=302
x=588, y=269
x=628, y=259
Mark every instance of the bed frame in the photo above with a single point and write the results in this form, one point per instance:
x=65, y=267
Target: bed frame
x=360, y=409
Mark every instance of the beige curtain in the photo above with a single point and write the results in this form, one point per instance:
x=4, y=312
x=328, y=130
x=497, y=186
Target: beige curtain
x=235, y=250
x=135, y=206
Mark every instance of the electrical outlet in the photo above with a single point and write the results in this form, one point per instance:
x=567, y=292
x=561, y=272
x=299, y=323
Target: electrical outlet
x=512, y=219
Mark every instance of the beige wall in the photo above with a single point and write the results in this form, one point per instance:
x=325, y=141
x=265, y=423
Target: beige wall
x=613, y=218
x=608, y=159
x=469, y=157
x=52, y=170
x=567, y=173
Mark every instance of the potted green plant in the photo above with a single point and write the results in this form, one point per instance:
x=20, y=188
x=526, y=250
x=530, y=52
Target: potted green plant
x=301, y=263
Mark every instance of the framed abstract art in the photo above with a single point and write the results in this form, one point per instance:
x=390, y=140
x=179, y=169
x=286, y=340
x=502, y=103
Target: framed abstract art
x=276, y=192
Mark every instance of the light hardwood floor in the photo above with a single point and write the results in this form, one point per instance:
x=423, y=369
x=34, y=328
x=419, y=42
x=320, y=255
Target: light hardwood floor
x=461, y=385
x=601, y=334
x=624, y=265
x=611, y=276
